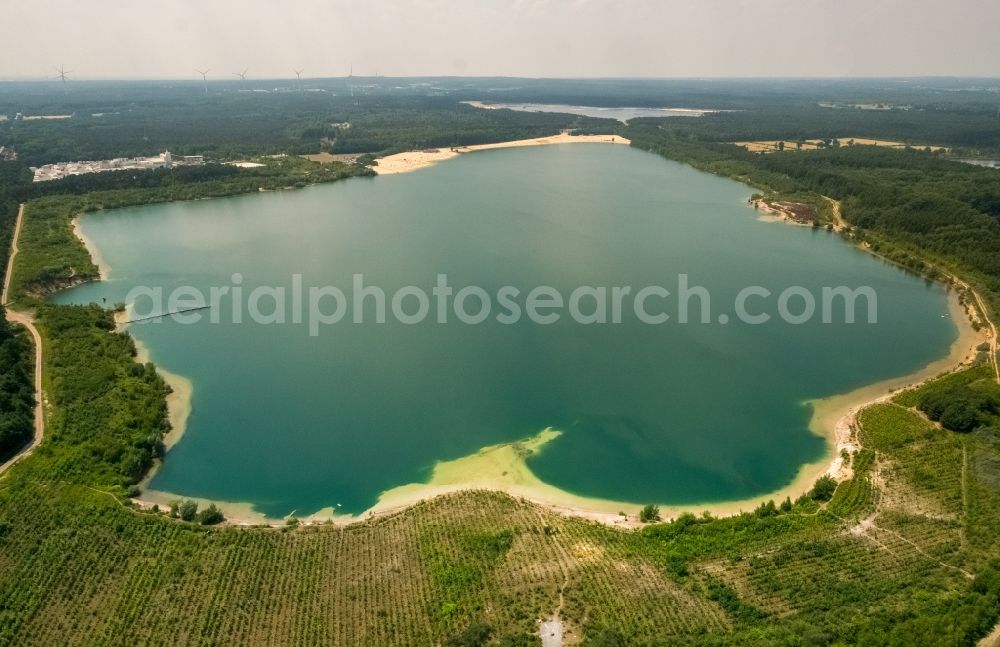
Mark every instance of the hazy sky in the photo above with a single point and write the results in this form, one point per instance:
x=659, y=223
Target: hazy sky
x=660, y=38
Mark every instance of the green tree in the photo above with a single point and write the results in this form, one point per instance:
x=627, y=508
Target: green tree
x=962, y=416
x=517, y=640
x=649, y=513
x=823, y=488
x=605, y=638
x=766, y=509
x=211, y=516
x=187, y=510
x=475, y=635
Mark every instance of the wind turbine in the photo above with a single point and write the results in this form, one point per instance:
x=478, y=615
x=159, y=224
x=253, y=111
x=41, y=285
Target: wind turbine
x=204, y=78
x=243, y=77
x=298, y=75
x=61, y=73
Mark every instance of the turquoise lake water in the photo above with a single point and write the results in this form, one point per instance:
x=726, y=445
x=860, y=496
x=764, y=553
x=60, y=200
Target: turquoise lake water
x=673, y=413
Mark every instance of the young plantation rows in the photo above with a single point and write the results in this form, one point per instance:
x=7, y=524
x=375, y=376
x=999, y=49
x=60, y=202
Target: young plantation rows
x=903, y=547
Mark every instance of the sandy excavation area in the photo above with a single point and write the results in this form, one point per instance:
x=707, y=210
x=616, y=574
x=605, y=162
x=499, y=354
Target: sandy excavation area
x=771, y=146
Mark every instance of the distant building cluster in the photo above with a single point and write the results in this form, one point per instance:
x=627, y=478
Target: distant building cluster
x=7, y=154
x=64, y=169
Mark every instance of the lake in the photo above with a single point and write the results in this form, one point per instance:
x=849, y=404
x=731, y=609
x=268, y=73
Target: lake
x=673, y=413
x=622, y=114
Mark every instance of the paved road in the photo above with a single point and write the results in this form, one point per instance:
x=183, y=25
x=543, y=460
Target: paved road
x=25, y=320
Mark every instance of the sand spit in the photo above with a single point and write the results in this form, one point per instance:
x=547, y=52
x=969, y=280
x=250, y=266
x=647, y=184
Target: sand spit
x=103, y=268
x=416, y=160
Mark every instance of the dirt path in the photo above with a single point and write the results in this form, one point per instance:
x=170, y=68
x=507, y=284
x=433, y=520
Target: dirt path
x=28, y=322
x=993, y=639
x=551, y=631
x=993, y=332
x=839, y=224
x=985, y=314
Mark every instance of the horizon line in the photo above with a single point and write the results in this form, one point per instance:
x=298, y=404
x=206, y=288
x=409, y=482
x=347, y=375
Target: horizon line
x=225, y=79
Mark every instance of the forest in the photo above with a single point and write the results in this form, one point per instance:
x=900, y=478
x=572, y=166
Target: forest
x=17, y=393
x=231, y=125
x=228, y=119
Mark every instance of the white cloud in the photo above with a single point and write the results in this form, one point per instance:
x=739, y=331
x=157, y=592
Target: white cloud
x=127, y=39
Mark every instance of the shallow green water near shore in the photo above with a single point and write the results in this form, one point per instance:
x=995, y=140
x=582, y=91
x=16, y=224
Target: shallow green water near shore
x=674, y=413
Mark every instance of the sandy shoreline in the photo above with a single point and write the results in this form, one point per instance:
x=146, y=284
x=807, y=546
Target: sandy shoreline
x=103, y=269
x=178, y=401
x=415, y=160
x=504, y=468
x=768, y=213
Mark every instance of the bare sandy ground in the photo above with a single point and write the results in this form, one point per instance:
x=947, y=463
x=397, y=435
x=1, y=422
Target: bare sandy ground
x=326, y=158
x=770, y=213
x=770, y=146
x=416, y=160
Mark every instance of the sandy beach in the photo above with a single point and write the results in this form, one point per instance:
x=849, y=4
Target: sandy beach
x=178, y=401
x=103, y=268
x=416, y=160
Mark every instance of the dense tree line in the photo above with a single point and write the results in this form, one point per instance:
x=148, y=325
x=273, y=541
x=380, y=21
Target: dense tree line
x=962, y=402
x=911, y=206
x=14, y=176
x=386, y=115
x=438, y=122
x=108, y=413
x=974, y=129
x=17, y=393
x=232, y=125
